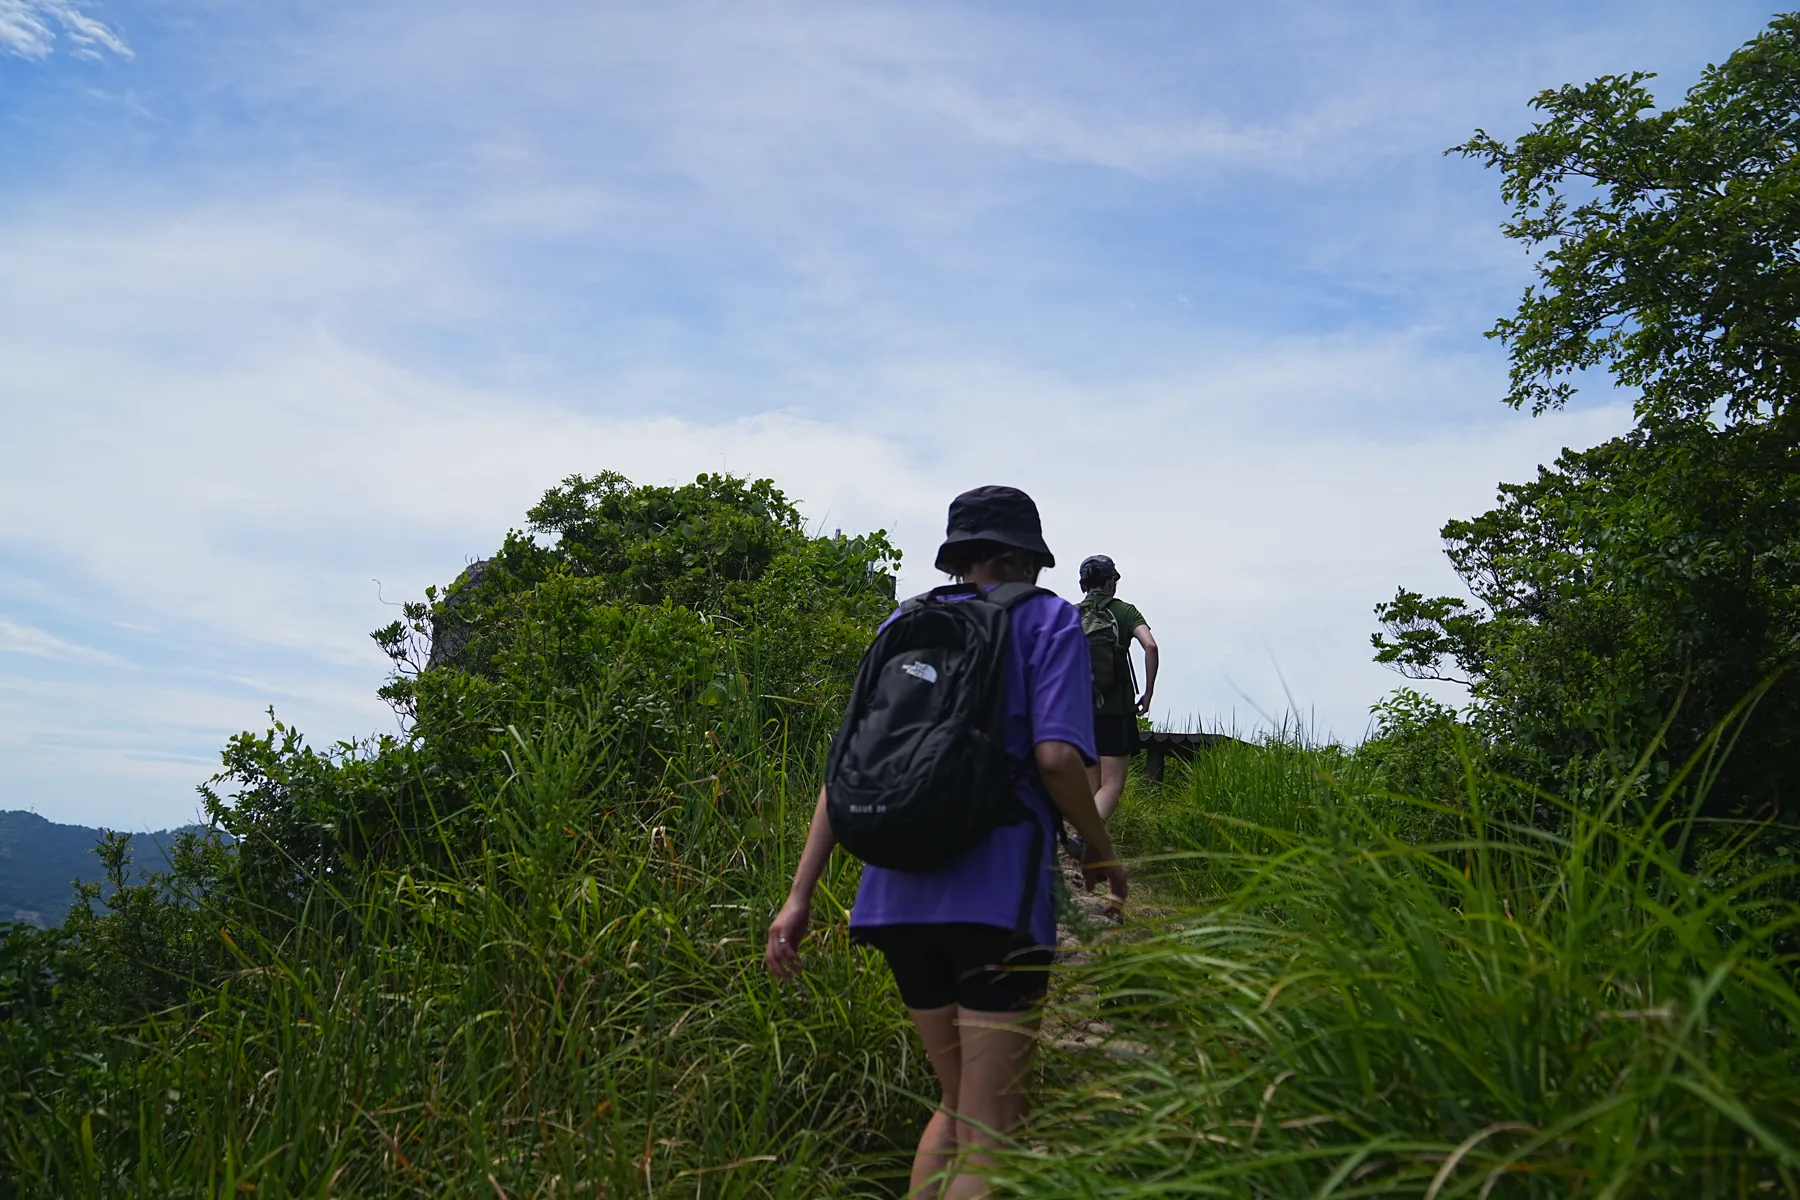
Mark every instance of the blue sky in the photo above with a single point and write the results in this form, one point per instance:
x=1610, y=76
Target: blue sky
x=298, y=298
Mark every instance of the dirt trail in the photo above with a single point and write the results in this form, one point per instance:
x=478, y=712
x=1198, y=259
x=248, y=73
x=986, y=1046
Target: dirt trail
x=1089, y=915
x=1064, y=1025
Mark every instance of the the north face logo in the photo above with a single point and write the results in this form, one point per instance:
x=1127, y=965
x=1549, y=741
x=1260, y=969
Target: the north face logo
x=920, y=670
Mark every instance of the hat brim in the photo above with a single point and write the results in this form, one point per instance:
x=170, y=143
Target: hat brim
x=1006, y=537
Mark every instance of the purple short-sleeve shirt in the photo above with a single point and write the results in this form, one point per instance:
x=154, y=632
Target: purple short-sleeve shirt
x=1049, y=698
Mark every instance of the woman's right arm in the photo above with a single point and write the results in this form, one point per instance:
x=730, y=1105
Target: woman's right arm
x=782, y=954
x=1066, y=779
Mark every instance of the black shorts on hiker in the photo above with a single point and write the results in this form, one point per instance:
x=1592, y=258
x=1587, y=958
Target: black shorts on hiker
x=1115, y=735
x=979, y=967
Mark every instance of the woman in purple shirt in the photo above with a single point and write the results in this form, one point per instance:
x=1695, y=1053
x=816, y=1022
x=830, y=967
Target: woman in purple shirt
x=970, y=943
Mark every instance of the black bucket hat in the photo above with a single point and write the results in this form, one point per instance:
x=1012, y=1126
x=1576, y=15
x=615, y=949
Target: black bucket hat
x=995, y=514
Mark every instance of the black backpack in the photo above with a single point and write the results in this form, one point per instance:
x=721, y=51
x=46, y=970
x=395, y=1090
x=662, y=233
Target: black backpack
x=919, y=772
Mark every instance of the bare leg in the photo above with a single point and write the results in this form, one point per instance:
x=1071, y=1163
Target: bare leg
x=937, y=1145
x=996, y=1055
x=1093, y=774
x=1110, y=785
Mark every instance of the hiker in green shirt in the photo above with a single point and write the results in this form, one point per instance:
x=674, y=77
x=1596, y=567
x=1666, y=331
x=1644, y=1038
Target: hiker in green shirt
x=1111, y=625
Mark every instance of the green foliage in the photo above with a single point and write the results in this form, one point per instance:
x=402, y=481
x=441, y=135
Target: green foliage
x=1316, y=1005
x=1651, y=572
x=735, y=555
x=1659, y=572
x=292, y=809
x=1669, y=238
x=1421, y=748
x=134, y=947
x=574, y=1005
x=702, y=545
x=148, y=941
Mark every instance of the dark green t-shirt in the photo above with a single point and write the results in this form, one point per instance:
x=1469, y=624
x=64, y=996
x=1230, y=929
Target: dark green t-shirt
x=1121, y=698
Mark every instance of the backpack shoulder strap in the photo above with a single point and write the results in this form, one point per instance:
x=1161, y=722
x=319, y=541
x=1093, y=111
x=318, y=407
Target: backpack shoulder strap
x=1118, y=625
x=1009, y=594
x=942, y=592
x=1006, y=595
x=1099, y=603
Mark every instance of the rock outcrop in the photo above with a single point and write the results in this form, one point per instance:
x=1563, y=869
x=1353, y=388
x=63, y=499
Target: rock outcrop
x=449, y=631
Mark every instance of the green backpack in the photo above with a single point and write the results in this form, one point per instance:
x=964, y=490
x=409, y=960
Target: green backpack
x=1106, y=643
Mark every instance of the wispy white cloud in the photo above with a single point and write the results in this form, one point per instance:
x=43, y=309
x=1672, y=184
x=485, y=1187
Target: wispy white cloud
x=1260, y=503
x=29, y=29
x=24, y=639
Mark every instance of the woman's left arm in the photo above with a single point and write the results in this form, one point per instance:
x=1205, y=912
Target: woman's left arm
x=782, y=954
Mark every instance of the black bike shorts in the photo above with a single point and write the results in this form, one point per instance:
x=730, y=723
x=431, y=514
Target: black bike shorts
x=1115, y=735
x=979, y=967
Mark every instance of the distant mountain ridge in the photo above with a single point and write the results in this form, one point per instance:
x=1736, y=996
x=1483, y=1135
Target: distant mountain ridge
x=40, y=861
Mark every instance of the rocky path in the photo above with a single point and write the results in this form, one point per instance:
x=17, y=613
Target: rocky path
x=1066, y=1026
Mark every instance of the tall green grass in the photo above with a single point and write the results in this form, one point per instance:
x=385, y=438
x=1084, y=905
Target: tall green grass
x=1325, y=990
x=1318, y=1005
x=577, y=1008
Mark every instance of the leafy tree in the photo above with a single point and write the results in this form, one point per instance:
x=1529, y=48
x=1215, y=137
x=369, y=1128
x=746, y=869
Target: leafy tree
x=735, y=555
x=1659, y=572
x=702, y=545
x=703, y=614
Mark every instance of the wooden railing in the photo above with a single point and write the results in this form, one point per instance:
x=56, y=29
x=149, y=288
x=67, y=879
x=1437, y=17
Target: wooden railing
x=1158, y=747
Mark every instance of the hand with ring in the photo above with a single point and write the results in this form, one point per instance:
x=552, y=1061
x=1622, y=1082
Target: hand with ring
x=785, y=932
